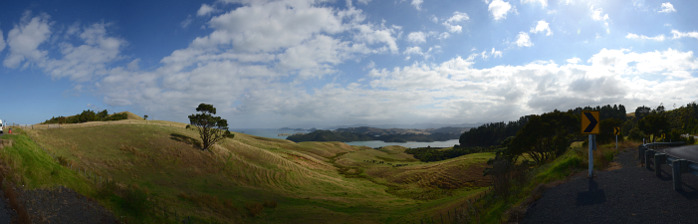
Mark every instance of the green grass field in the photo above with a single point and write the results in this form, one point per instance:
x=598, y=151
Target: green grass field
x=150, y=171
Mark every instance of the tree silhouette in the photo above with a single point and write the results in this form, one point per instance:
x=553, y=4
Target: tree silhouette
x=211, y=128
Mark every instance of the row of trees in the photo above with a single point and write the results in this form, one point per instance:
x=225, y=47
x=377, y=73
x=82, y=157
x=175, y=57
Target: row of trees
x=491, y=134
x=85, y=116
x=651, y=124
x=544, y=137
x=547, y=136
x=499, y=134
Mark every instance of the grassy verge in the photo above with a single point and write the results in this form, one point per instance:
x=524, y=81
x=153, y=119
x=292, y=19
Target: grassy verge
x=23, y=164
x=29, y=166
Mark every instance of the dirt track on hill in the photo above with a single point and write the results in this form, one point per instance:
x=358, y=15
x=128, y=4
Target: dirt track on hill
x=631, y=194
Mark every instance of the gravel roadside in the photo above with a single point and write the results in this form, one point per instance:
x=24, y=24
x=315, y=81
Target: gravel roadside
x=6, y=212
x=63, y=205
x=631, y=194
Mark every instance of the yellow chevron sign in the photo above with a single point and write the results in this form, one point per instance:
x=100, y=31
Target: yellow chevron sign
x=590, y=122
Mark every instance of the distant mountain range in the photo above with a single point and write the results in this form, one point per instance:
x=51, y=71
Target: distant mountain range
x=366, y=133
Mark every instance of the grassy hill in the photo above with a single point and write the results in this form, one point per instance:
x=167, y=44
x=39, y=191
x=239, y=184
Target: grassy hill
x=153, y=172
x=130, y=115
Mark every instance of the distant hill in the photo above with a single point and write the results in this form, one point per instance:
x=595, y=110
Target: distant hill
x=366, y=133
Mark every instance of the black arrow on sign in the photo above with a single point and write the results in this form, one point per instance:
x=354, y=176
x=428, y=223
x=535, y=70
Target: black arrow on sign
x=592, y=122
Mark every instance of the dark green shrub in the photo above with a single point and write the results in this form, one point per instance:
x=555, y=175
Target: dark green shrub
x=636, y=134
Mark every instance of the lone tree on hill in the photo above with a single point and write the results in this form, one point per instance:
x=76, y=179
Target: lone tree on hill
x=211, y=128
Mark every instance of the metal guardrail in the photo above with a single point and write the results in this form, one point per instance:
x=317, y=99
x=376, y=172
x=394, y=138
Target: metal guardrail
x=652, y=154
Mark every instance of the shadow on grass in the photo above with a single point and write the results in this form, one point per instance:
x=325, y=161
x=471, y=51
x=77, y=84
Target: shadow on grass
x=186, y=139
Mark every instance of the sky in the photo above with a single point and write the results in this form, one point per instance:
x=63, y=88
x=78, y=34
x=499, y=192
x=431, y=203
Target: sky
x=323, y=63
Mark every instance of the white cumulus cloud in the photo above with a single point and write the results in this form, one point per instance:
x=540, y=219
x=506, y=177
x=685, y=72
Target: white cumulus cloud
x=667, y=7
x=492, y=53
x=597, y=14
x=523, y=40
x=417, y=37
x=417, y=4
x=659, y=38
x=452, y=23
x=543, y=3
x=499, y=9
x=90, y=58
x=24, y=39
x=248, y=53
x=82, y=54
x=413, y=50
x=678, y=34
x=457, y=90
x=542, y=26
x=205, y=10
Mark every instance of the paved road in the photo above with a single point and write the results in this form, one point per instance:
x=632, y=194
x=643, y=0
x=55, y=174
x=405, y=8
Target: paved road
x=689, y=152
x=631, y=194
x=686, y=136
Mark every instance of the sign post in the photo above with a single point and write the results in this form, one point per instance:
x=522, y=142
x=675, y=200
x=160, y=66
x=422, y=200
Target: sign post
x=616, y=131
x=590, y=126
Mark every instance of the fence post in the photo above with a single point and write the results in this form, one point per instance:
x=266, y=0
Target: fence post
x=659, y=159
x=676, y=168
x=648, y=154
x=641, y=153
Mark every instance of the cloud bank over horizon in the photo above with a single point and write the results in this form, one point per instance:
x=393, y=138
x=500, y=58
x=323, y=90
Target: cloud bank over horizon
x=308, y=63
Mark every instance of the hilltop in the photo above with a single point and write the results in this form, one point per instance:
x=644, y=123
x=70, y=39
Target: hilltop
x=245, y=179
x=89, y=115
